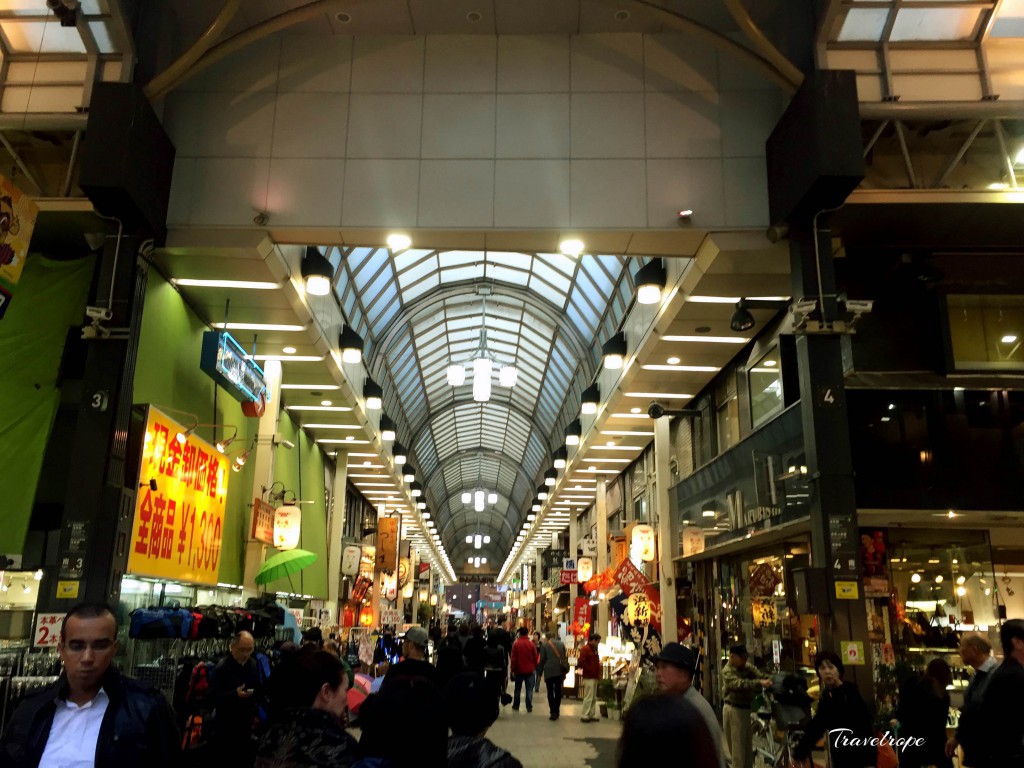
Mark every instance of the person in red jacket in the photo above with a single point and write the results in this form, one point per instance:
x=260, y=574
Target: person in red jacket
x=589, y=665
x=524, y=662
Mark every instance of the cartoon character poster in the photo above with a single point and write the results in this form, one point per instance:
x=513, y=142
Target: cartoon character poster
x=874, y=556
x=17, y=220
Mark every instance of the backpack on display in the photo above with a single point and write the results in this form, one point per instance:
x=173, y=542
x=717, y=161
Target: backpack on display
x=160, y=622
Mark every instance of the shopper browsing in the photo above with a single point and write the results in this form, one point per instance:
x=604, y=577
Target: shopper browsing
x=740, y=683
x=673, y=672
x=589, y=667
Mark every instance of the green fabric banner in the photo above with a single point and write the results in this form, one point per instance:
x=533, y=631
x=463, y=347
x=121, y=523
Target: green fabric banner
x=51, y=298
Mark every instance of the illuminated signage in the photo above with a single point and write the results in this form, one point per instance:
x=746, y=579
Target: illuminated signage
x=179, y=526
x=224, y=361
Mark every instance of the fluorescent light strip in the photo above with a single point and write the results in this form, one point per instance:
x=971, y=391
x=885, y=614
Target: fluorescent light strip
x=365, y=456
x=253, y=285
x=731, y=299
x=609, y=461
x=288, y=358
x=601, y=471
x=626, y=433
x=258, y=327
x=363, y=466
x=616, y=448
x=346, y=441
x=330, y=408
x=366, y=475
x=331, y=426
x=682, y=368
x=314, y=387
x=640, y=416
x=707, y=339
x=659, y=395
x=374, y=485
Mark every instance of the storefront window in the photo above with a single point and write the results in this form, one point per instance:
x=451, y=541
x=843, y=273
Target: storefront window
x=986, y=332
x=766, y=387
x=727, y=414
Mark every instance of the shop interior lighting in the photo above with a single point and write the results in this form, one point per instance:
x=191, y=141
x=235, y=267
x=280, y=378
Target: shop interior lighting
x=252, y=285
x=374, y=395
x=223, y=444
x=317, y=272
x=590, y=399
x=614, y=351
x=351, y=345
x=650, y=281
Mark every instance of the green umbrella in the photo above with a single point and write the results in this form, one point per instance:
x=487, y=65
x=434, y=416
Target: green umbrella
x=285, y=564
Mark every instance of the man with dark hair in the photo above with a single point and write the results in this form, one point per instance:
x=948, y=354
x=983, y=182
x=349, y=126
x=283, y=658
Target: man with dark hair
x=740, y=683
x=523, y=662
x=472, y=708
x=673, y=672
x=589, y=667
x=93, y=715
x=236, y=691
x=1003, y=742
x=414, y=658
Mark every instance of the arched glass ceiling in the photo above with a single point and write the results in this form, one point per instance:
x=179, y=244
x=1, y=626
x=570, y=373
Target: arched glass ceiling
x=420, y=310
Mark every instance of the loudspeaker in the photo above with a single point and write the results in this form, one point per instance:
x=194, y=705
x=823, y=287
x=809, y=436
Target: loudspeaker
x=127, y=159
x=815, y=153
x=809, y=591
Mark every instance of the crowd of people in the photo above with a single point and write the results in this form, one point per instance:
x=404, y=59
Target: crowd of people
x=436, y=712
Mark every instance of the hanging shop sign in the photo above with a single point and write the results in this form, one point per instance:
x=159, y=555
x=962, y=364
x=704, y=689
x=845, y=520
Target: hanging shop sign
x=387, y=543
x=404, y=567
x=225, y=361
x=642, y=544
x=18, y=214
x=178, y=528
x=350, y=558
x=764, y=578
x=423, y=571
x=638, y=609
x=874, y=560
x=585, y=569
x=581, y=616
x=693, y=540
x=261, y=526
x=388, y=586
x=287, y=527
x=567, y=577
x=390, y=616
x=589, y=546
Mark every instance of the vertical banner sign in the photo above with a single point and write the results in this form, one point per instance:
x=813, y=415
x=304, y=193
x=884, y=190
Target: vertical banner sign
x=17, y=220
x=581, y=615
x=262, y=528
x=387, y=543
x=178, y=527
x=47, y=631
x=423, y=570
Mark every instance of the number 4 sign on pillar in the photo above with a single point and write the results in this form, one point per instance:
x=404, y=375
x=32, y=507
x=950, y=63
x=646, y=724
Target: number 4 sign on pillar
x=47, y=631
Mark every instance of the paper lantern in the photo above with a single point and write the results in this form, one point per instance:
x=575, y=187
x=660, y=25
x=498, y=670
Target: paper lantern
x=366, y=617
x=642, y=545
x=389, y=586
x=584, y=569
x=407, y=591
x=350, y=558
x=423, y=595
x=433, y=599
x=287, y=525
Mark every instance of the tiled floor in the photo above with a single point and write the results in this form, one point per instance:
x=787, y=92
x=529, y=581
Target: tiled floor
x=538, y=742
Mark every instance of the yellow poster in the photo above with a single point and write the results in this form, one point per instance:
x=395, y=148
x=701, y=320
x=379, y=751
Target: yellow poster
x=17, y=220
x=179, y=526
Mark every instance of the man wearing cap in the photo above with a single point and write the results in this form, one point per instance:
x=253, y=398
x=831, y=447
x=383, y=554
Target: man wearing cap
x=740, y=683
x=414, y=659
x=674, y=668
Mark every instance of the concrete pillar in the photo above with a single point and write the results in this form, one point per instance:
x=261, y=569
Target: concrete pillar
x=263, y=469
x=666, y=544
x=601, y=510
x=335, y=531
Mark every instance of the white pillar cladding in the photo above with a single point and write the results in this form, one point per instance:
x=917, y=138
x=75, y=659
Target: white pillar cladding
x=335, y=532
x=666, y=545
x=263, y=470
x=414, y=560
x=538, y=588
x=375, y=602
x=601, y=510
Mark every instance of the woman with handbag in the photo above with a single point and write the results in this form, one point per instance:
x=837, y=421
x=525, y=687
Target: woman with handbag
x=554, y=666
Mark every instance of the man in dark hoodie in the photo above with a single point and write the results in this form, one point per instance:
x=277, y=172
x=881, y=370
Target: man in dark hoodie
x=472, y=708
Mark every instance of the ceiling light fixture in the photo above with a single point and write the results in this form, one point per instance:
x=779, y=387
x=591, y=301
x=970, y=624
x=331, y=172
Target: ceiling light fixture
x=409, y=473
x=559, y=457
x=398, y=241
x=258, y=327
x=387, y=428
x=482, y=361
x=573, y=432
x=590, y=399
x=614, y=351
x=252, y=285
x=400, y=454
x=351, y=345
x=742, y=320
x=317, y=272
x=374, y=395
x=571, y=246
x=550, y=477
x=650, y=280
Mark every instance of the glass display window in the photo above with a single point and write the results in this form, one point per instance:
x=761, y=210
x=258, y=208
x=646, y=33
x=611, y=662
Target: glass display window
x=766, y=398
x=986, y=331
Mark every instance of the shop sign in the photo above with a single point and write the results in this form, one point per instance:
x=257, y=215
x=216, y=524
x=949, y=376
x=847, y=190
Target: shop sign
x=843, y=546
x=568, y=564
x=777, y=652
x=361, y=587
x=874, y=561
x=589, y=546
x=693, y=540
x=404, y=566
x=390, y=616
x=47, y=631
x=287, y=527
x=67, y=590
x=642, y=543
x=585, y=569
x=847, y=590
x=568, y=577
x=350, y=558
x=17, y=220
x=225, y=361
x=387, y=543
x=852, y=652
x=262, y=524
x=389, y=586
x=638, y=609
x=74, y=546
x=581, y=615
x=552, y=558
x=764, y=579
x=178, y=528
x=423, y=571
x=297, y=613
x=630, y=578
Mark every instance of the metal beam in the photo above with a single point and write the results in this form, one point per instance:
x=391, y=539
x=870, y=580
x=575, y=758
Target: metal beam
x=942, y=110
x=960, y=153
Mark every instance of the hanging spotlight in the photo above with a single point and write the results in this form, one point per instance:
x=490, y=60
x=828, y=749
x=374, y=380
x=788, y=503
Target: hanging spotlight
x=222, y=445
x=416, y=490
x=374, y=395
x=650, y=280
x=741, y=319
x=399, y=452
x=409, y=473
x=614, y=351
x=551, y=477
x=421, y=505
x=467, y=497
x=559, y=457
x=542, y=492
x=456, y=375
x=317, y=272
x=351, y=345
x=387, y=428
x=590, y=399
x=572, y=432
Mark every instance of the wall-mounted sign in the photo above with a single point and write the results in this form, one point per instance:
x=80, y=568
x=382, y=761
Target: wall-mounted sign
x=47, y=631
x=389, y=586
x=423, y=571
x=852, y=652
x=588, y=546
x=387, y=543
x=225, y=361
x=585, y=569
x=847, y=590
x=262, y=524
x=693, y=540
x=404, y=566
x=567, y=577
x=287, y=526
x=17, y=220
x=642, y=544
x=350, y=557
x=178, y=527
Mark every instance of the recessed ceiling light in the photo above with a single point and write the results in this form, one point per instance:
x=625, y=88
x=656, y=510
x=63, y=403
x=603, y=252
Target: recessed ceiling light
x=634, y=410
x=610, y=442
x=622, y=15
x=770, y=363
x=1009, y=339
x=399, y=242
x=289, y=350
x=672, y=361
x=326, y=403
x=473, y=17
x=571, y=246
x=342, y=17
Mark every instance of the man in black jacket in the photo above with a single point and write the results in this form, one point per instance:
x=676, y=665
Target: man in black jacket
x=92, y=715
x=1003, y=742
x=236, y=692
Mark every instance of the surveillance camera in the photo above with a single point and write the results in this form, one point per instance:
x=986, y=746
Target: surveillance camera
x=804, y=307
x=859, y=306
x=655, y=410
x=260, y=219
x=99, y=314
x=777, y=232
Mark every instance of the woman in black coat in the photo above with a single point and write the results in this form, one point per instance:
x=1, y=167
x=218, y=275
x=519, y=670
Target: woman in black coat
x=922, y=714
x=842, y=717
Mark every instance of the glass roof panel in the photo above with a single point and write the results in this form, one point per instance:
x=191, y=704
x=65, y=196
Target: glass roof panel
x=41, y=37
x=864, y=24
x=935, y=24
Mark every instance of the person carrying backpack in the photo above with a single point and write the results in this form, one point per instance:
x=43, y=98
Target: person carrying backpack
x=496, y=667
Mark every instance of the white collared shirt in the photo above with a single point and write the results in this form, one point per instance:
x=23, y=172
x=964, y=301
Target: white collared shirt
x=74, y=733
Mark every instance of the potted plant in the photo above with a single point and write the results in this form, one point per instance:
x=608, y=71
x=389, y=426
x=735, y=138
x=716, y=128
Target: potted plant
x=606, y=697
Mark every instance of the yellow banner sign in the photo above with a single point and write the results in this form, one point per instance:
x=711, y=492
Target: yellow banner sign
x=179, y=526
